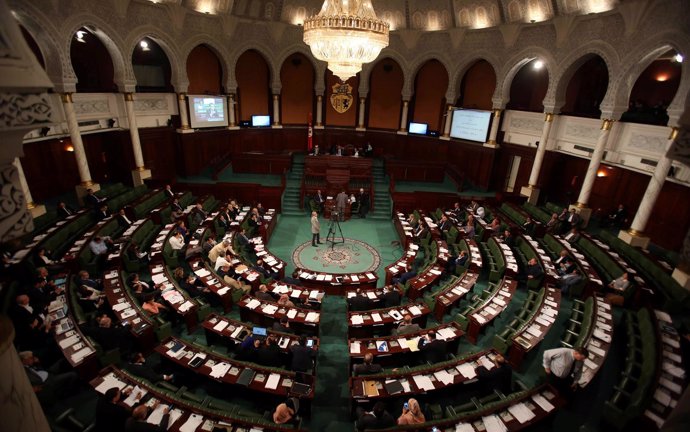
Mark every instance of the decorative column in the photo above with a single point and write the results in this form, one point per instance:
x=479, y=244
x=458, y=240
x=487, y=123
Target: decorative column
x=531, y=191
x=448, y=121
x=362, y=108
x=232, y=119
x=634, y=236
x=403, y=118
x=276, y=112
x=184, y=119
x=35, y=209
x=140, y=173
x=78, y=144
x=319, y=112
x=494, y=129
x=588, y=183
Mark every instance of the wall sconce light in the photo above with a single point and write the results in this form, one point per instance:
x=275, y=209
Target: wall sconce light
x=602, y=173
x=538, y=65
x=144, y=46
x=80, y=36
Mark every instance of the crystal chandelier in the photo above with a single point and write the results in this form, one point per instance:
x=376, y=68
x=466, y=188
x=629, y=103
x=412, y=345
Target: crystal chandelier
x=346, y=34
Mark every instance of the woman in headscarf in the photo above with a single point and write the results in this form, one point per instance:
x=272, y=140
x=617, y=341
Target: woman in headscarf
x=411, y=414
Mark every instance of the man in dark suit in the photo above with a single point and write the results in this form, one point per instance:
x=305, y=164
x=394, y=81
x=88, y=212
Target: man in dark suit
x=359, y=302
x=572, y=236
x=263, y=294
x=573, y=219
x=379, y=418
x=242, y=241
x=168, y=192
x=434, y=350
x=363, y=200
x=91, y=199
x=533, y=270
x=319, y=200
x=341, y=201
x=85, y=279
x=458, y=262
x=138, y=366
x=49, y=385
x=198, y=214
x=122, y=219
x=405, y=276
x=368, y=367
x=28, y=323
x=500, y=377
x=102, y=213
x=137, y=423
x=444, y=224
x=390, y=297
x=63, y=211
x=110, y=415
x=283, y=326
x=263, y=271
x=302, y=356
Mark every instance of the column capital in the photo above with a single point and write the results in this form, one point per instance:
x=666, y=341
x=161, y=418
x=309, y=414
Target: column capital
x=276, y=96
x=606, y=124
x=66, y=97
x=406, y=103
x=129, y=96
x=497, y=112
x=548, y=117
x=674, y=133
x=181, y=96
x=580, y=205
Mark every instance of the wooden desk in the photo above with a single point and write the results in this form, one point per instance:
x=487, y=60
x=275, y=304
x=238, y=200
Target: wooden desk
x=550, y=274
x=336, y=283
x=508, y=257
x=271, y=261
x=624, y=266
x=375, y=295
x=127, y=311
x=404, y=230
x=297, y=292
x=265, y=313
x=490, y=308
x=451, y=295
x=429, y=276
x=215, y=284
x=535, y=329
x=594, y=282
x=402, y=349
x=258, y=384
x=181, y=411
x=380, y=322
x=403, y=264
x=175, y=297
x=597, y=344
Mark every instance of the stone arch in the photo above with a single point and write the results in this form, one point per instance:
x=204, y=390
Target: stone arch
x=568, y=66
x=218, y=50
x=365, y=75
x=639, y=60
x=123, y=76
x=504, y=79
x=468, y=62
x=268, y=56
x=178, y=70
x=417, y=64
x=57, y=63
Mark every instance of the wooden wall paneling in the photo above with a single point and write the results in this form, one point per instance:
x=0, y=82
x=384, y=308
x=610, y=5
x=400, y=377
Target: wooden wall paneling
x=253, y=81
x=204, y=71
x=297, y=92
x=431, y=84
x=384, y=99
x=159, y=149
x=50, y=170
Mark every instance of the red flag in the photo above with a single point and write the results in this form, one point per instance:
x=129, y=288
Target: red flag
x=310, y=136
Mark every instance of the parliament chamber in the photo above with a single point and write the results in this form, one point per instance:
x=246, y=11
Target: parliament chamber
x=210, y=223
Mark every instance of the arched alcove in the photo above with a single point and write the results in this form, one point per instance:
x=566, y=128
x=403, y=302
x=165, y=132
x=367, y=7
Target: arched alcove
x=477, y=86
x=151, y=67
x=253, y=75
x=297, y=91
x=204, y=71
x=586, y=89
x=529, y=86
x=431, y=83
x=385, y=83
x=92, y=63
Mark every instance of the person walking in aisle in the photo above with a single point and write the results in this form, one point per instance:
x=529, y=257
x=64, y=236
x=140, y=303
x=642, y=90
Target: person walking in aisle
x=315, y=229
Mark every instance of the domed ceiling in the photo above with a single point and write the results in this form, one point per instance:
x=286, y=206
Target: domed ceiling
x=423, y=15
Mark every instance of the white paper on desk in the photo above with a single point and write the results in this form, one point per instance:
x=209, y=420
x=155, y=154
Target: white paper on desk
x=673, y=370
x=220, y=326
x=672, y=342
x=223, y=290
x=480, y=319
x=599, y=334
x=414, y=310
x=355, y=347
x=542, y=402
x=376, y=317
x=370, y=276
x=491, y=310
x=270, y=309
x=521, y=412
x=590, y=364
x=320, y=277
x=69, y=341
x=186, y=306
x=219, y=370
x=445, y=333
x=253, y=304
x=273, y=381
x=192, y=423
x=312, y=317
x=157, y=415
x=296, y=293
x=110, y=381
x=423, y=382
x=655, y=418
x=493, y=423
x=464, y=427
x=79, y=355
x=596, y=350
x=371, y=295
x=444, y=377
x=676, y=388
x=111, y=275
x=292, y=313
x=543, y=321
x=281, y=289
x=132, y=398
x=314, y=295
x=466, y=370
x=484, y=361
x=237, y=331
x=354, y=278
x=534, y=331
x=662, y=397
x=175, y=414
x=356, y=319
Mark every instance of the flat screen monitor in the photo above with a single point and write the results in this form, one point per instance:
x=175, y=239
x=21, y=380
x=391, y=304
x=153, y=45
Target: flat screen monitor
x=259, y=331
x=261, y=121
x=418, y=128
x=471, y=125
x=207, y=111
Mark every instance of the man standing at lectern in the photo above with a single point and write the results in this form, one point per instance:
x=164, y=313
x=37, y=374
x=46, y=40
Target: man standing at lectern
x=315, y=229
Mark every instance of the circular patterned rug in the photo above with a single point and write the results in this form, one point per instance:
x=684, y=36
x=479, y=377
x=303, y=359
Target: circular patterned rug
x=353, y=256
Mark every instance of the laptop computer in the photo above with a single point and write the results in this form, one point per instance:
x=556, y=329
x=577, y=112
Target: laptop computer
x=259, y=331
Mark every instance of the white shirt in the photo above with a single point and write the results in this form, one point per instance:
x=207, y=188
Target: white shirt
x=176, y=243
x=480, y=212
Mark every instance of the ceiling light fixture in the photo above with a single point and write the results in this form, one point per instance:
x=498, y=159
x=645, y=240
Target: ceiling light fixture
x=346, y=34
x=144, y=46
x=80, y=36
x=538, y=65
x=678, y=58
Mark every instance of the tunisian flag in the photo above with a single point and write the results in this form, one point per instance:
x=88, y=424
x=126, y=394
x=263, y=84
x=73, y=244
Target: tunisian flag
x=310, y=136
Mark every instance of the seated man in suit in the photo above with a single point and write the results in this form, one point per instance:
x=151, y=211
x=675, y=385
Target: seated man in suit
x=528, y=226
x=434, y=350
x=359, y=302
x=457, y=212
x=456, y=263
x=102, y=212
x=63, y=211
x=198, y=214
x=533, y=270
x=320, y=201
x=263, y=271
x=368, y=367
x=379, y=418
x=283, y=326
x=406, y=326
x=209, y=244
x=137, y=423
x=168, y=192
x=621, y=283
x=91, y=199
x=302, y=356
x=263, y=294
x=390, y=297
x=48, y=384
x=176, y=210
x=404, y=277
x=617, y=217
x=110, y=414
x=242, y=242
x=444, y=225
x=569, y=280
x=122, y=219
x=500, y=377
x=508, y=238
